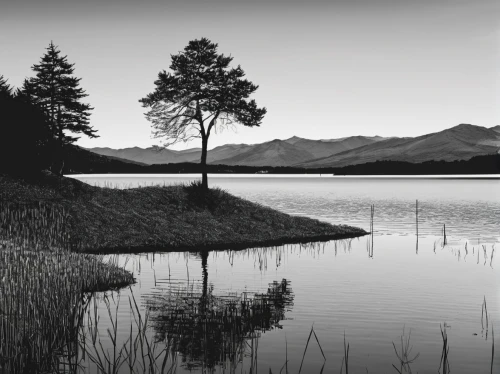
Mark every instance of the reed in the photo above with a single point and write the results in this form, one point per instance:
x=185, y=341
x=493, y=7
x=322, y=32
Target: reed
x=345, y=358
x=404, y=354
x=484, y=316
x=307, y=344
x=42, y=286
x=139, y=353
x=492, y=348
x=370, y=247
x=41, y=304
x=444, y=363
x=34, y=226
x=372, y=213
x=416, y=221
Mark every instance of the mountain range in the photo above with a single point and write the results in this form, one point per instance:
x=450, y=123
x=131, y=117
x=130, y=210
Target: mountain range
x=457, y=143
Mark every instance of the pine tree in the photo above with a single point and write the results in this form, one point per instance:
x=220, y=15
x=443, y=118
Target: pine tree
x=200, y=95
x=6, y=90
x=57, y=93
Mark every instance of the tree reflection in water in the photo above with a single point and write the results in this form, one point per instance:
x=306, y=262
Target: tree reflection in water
x=209, y=330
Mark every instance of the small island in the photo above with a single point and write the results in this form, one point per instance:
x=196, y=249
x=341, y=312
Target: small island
x=162, y=218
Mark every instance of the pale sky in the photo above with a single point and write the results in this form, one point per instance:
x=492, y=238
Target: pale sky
x=326, y=69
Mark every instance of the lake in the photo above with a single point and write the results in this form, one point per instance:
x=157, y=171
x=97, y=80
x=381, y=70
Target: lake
x=264, y=302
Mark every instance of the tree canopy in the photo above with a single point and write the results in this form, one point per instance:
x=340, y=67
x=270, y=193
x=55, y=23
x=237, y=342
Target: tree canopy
x=200, y=94
x=6, y=90
x=57, y=93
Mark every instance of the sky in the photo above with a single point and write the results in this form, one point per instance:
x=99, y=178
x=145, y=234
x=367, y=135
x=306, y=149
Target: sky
x=325, y=69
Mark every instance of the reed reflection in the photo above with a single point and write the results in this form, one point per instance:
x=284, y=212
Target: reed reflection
x=209, y=330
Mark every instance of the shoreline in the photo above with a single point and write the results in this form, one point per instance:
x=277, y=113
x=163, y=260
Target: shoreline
x=224, y=246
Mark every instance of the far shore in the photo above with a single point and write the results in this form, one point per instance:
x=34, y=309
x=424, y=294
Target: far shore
x=86, y=162
x=270, y=175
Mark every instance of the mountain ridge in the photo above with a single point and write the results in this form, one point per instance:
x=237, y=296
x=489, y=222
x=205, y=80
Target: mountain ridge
x=456, y=143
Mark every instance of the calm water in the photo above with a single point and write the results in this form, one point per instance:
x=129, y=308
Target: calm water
x=368, y=288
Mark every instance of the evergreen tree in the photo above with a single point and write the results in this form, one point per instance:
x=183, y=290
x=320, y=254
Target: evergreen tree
x=6, y=90
x=57, y=93
x=201, y=94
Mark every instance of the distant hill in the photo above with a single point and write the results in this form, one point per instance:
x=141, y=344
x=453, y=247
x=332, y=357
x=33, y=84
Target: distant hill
x=79, y=160
x=273, y=153
x=323, y=148
x=457, y=143
x=225, y=152
x=496, y=128
x=291, y=151
x=154, y=155
x=372, y=138
x=151, y=155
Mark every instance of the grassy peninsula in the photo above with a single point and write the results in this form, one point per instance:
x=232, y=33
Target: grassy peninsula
x=107, y=220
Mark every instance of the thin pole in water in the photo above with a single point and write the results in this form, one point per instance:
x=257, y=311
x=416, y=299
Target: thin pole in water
x=372, y=213
x=416, y=220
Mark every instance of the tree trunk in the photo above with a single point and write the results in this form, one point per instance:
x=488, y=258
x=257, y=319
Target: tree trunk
x=203, y=163
x=60, y=158
x=60, y=136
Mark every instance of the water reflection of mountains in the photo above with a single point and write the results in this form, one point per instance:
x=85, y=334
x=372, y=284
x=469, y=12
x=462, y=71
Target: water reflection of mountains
x=209, y=329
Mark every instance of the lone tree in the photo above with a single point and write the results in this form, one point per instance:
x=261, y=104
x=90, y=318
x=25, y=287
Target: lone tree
x=57, y=93
x=201, y=94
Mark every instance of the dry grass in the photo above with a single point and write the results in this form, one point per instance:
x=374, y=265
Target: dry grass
x=167, y=218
